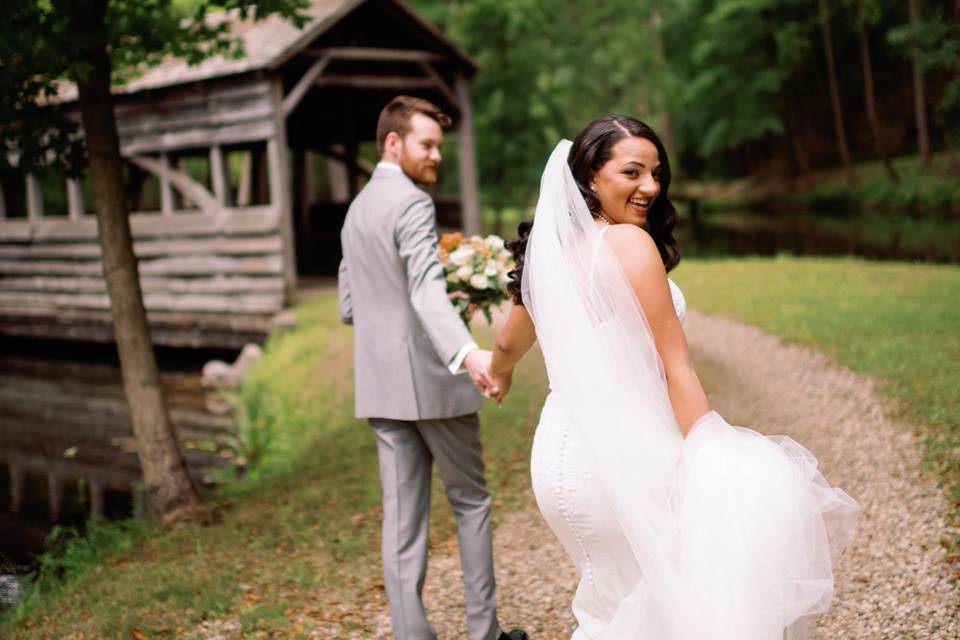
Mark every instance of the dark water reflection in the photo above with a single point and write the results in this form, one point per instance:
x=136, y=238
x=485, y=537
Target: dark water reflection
x=66, y=444
x=874, y=236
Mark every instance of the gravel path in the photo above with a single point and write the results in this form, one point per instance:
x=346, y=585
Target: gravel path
x=891, y=582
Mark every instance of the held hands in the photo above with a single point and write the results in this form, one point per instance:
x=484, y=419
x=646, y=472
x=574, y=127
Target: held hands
x=503, y=382
x=477, y=364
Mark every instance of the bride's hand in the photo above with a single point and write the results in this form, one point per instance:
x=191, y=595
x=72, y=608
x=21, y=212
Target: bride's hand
x=503, y=381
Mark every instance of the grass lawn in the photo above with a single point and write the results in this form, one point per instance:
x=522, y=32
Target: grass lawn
x=899, y=323
x=296, y=536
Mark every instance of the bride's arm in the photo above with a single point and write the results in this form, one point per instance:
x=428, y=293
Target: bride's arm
x=643, y=266
x=513, y=340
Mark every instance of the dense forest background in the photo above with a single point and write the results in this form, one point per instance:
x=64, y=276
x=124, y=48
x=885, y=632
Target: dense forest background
x=735, y=87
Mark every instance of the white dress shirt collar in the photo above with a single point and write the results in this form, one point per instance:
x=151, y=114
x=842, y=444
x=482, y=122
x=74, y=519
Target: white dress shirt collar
x=391, y=166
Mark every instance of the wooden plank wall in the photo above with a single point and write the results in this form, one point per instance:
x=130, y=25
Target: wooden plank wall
x=200, y=115
x=211, y=278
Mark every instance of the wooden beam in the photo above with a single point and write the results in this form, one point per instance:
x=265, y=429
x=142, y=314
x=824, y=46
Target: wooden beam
x=376, y=82
x=96, y=495
x=17, y=482
x=303, y=85
x=184, y=183
x=337, y=176
x=302, y=174
x=309, y=176
x=219, y=176
x=197, y=137
x=222, y=330
x=149, y=248
x=278, y=163
x=469, y=193
x=75, y=204
x=216, y=284
x=54, y=494
x=440, y=83
x=234, y=221
x=353, y=173
x=269, y=264
x=34, y=198
x=256, y=303
x=374, y=53
x=245, y=188
x=338, y=152
x=166, y=191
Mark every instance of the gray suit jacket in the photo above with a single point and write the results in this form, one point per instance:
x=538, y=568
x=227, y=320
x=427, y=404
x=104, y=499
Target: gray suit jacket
x=392, y=289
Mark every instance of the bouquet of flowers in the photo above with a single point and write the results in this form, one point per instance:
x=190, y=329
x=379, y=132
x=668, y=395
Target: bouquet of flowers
x=476, y=270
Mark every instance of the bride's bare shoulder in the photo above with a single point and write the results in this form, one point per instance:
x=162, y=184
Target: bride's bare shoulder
x=634, y=247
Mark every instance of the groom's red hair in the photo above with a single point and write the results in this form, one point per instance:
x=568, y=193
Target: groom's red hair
x=396, y=116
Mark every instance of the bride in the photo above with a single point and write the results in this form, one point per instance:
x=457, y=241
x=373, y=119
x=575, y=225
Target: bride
x=682, y=526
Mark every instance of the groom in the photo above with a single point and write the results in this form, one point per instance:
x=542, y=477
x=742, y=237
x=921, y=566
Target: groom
x=410, y=351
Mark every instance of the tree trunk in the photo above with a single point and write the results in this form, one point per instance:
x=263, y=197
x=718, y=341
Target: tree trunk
x=660, y=73
x=835, y=102
x=871, y=101
x=919, y=97
x=796, y=139
x=169, y=488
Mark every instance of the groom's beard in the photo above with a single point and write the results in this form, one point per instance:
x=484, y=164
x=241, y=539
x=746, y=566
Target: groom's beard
x=425, y=172
x=426, y=175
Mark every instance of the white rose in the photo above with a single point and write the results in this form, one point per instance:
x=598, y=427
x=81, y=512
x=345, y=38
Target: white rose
x=453, y=278
x=492, y=269
x=503, y=278
x=479, y=281
x=464, y=273
x=462, y=256
x=494, y=242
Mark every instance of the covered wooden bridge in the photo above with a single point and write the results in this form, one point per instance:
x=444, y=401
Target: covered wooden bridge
x=239, y=175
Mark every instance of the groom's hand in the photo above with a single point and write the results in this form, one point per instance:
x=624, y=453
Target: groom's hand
x=477, y=364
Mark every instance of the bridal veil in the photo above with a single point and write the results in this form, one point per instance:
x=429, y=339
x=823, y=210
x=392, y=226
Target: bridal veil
x=735, y=533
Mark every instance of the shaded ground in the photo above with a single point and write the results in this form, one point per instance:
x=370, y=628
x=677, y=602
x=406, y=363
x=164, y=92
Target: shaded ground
x=892, y=582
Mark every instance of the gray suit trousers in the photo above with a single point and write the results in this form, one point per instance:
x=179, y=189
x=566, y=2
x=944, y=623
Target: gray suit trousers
x=406, y=449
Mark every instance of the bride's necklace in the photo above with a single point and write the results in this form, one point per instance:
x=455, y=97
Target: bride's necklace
x=604, y=218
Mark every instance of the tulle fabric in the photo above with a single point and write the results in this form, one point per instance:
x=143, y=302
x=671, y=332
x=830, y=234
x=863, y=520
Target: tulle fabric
x=736, y=533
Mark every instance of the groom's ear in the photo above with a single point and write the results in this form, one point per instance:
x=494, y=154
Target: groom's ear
x=391, y=144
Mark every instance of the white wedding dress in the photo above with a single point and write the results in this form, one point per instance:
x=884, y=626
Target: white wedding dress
x=724, y=535
x=571, y=499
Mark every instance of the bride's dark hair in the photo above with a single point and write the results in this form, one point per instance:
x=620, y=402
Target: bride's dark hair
x=591, y=150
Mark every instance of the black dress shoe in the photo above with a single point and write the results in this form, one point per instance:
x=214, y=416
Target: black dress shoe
x=514, y=634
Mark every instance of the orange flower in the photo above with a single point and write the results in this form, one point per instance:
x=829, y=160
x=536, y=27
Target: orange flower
x=450, y=241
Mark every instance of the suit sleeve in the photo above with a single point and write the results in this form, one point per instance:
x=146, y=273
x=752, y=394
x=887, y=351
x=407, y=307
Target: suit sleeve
x=416, y=238
x=343, y=293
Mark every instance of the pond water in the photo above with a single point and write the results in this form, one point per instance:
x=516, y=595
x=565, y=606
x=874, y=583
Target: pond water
x=66, y=444
x=874, y=236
